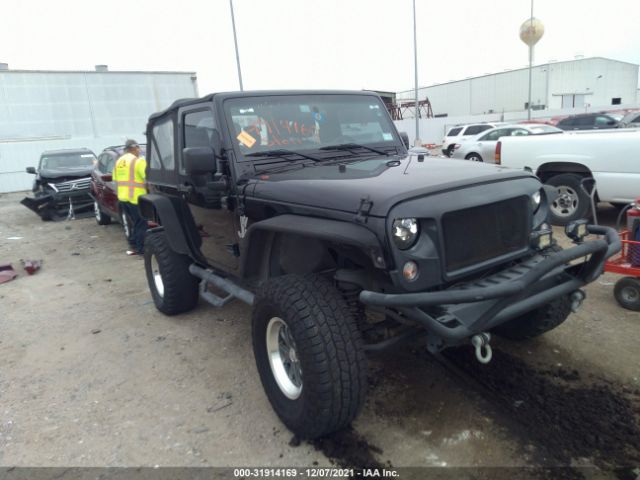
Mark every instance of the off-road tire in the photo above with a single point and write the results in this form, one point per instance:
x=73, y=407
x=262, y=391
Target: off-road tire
x=328, y=346
x=536, y=322
x=180, y=288
x=627, y=293
x=101, y=217
x=571, y=181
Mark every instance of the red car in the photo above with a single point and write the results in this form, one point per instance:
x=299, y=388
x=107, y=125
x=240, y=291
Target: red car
x=103, y=189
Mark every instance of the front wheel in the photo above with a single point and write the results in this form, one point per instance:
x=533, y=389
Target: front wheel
x=309, y=354
x=173, y=288
x=572, y=202
x=627, y=293
x=536, y=322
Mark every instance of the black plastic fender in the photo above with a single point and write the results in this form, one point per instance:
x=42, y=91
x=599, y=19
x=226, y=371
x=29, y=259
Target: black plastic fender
x=174, y=216
x=256, y=244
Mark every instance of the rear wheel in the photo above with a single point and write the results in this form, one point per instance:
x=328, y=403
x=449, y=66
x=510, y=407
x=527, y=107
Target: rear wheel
x=173, y=288
x=101, y=217
x=572, y=202
x=309, y=354
x=627, y=293
x=474, y=157
x=127, y=226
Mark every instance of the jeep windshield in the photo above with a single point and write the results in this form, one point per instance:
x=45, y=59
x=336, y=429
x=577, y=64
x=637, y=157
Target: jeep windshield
x=71, y=161
x=322, y=126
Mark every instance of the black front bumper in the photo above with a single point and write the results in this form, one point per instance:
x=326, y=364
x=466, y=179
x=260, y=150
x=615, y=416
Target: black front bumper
x=466, y=310
x=58, y=204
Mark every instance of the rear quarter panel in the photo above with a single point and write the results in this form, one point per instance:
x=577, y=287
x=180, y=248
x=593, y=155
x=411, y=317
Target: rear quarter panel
x=612, y=157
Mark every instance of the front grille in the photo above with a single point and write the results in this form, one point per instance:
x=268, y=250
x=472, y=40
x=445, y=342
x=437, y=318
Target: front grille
x=73, y=185
x=477, y=234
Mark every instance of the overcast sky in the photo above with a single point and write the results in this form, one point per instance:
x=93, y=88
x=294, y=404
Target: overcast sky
x=351, y=44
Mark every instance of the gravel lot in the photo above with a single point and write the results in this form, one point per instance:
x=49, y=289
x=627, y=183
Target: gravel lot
x=93, y=375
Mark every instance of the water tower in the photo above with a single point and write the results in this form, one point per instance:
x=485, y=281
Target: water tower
x=531, y=32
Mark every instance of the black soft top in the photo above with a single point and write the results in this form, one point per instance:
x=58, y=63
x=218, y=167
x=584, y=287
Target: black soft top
x=183, y=102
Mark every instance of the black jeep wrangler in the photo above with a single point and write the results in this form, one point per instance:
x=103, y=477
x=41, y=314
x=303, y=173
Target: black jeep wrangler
x=307, y=205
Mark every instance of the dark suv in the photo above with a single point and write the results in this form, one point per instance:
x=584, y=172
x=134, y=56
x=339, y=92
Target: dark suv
x=307, y=205
x=61, y=186
x=588, y=121
x=103, y=189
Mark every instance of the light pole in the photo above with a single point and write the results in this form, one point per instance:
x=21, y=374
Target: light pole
x=235, y=41
x=530, y=32
x=415, y=67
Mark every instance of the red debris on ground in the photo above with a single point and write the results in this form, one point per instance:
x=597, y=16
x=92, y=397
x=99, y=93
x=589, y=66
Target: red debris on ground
x=31, y=266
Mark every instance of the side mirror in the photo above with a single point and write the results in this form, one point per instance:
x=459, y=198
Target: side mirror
x=199, y=160
x=31, y=170
x=405, y=139
x=106, y=177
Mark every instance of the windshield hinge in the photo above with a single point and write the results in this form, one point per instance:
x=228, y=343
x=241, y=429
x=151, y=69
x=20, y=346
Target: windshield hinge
x=363, y=210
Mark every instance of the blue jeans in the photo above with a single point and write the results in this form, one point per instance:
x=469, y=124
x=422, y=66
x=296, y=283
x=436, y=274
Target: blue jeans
x=139, y=227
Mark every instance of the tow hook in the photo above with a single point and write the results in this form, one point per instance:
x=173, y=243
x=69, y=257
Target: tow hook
x=577, y=298
x=480, y=342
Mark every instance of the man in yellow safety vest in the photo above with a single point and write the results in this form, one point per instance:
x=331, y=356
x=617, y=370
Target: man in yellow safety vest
x=129, y=174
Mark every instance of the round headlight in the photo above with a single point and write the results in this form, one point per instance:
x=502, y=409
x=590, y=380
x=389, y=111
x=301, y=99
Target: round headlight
x=536, y=198
x=405, y=232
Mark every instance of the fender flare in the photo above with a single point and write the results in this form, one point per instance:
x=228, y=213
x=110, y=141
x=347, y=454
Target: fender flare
x=176, y=220
x=258, y=238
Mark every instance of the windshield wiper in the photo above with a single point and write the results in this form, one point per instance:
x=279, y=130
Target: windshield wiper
x=353, y=146
x=281, y=152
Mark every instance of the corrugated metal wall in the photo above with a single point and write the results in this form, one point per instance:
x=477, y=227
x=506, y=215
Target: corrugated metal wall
x=51, y=110
x=598, y=79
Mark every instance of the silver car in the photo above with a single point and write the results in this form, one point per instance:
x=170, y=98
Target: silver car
x=482, y=147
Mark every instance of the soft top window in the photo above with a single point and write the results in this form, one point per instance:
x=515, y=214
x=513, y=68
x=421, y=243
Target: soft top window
x=161, y=154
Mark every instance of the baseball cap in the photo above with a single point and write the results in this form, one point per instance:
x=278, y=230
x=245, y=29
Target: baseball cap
x=129, y=144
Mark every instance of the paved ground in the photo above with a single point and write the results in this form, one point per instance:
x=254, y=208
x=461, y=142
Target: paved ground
x=92, y=375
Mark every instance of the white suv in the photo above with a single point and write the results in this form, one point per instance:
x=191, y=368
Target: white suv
x=463, y=132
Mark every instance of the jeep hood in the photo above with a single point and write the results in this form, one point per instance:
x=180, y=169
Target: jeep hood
x=57, y=174
x=385, y=182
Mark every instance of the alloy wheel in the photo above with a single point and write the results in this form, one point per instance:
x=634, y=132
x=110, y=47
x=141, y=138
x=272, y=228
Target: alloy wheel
x=283, y=358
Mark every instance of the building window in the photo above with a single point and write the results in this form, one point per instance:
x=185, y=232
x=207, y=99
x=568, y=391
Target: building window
x=616, y=101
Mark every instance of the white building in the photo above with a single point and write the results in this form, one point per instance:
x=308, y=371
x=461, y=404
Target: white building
x=585, y=83
x=49, y=110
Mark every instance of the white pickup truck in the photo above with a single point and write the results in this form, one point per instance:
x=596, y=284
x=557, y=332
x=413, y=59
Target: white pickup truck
x=612, y=158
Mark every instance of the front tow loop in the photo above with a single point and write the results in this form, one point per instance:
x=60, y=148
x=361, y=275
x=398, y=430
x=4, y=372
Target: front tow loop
x=481, y=342
x=576, y=299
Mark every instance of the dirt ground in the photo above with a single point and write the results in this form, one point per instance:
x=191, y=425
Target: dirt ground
x=92, y=375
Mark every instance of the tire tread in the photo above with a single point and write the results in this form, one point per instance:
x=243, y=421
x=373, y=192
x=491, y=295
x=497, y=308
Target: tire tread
x=331, y=343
